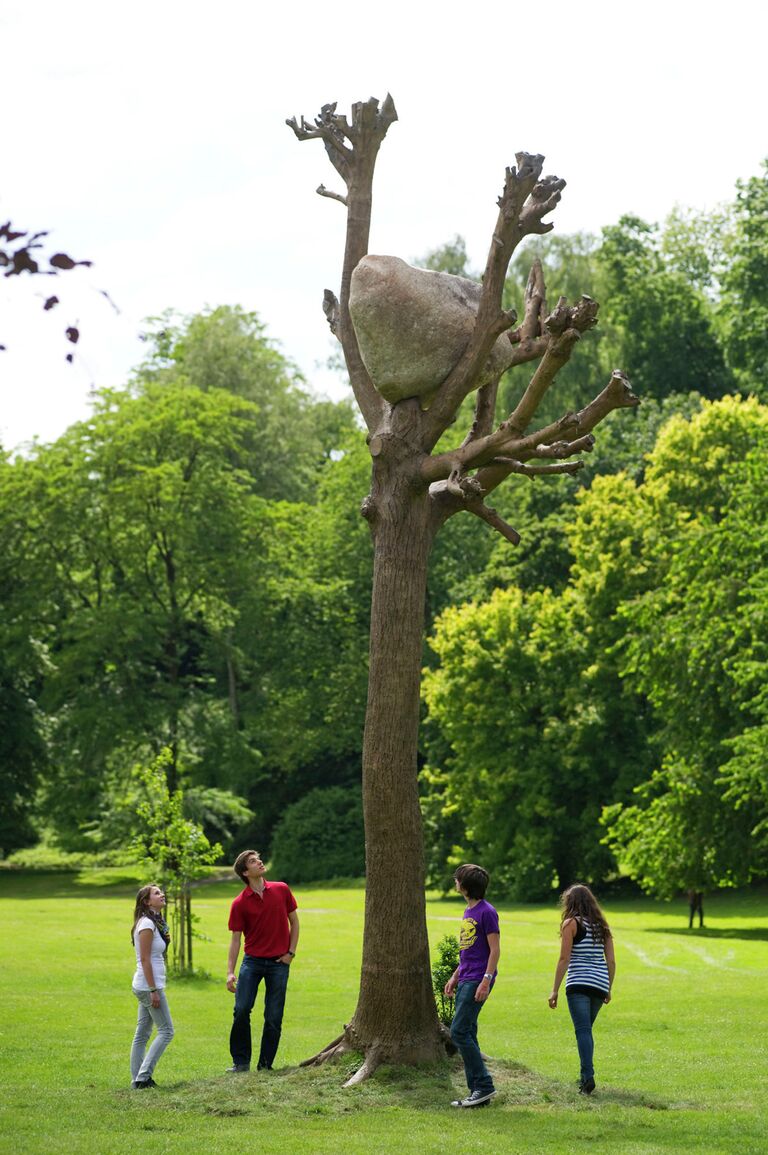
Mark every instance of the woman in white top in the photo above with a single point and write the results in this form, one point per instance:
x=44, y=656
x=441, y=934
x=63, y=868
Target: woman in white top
x=150, y=937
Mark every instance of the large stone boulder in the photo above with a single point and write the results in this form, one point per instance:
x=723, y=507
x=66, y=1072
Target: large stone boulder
x=412, y=326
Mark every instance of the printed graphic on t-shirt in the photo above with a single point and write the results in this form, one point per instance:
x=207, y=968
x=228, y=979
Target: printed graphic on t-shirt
x=468, y=933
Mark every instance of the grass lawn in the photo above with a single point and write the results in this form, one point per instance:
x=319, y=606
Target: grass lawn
x=681, y=1052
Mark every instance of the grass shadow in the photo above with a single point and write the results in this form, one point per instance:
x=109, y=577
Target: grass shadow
x=309, y=1092
x=749, y=933
x=87, y=882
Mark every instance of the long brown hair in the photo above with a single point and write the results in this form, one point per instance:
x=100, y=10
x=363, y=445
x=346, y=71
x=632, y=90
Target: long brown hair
x=141, y=910
x=579, y=902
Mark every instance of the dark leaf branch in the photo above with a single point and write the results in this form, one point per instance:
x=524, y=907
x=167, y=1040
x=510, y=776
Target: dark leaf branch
x=25, y=258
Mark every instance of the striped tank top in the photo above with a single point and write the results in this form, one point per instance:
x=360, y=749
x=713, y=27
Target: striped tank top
x=587, y=967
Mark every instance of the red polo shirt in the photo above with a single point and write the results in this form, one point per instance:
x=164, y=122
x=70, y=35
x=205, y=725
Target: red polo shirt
x=263, y=919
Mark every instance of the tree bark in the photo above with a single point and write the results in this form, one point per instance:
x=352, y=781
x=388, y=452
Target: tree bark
x=396, y=1018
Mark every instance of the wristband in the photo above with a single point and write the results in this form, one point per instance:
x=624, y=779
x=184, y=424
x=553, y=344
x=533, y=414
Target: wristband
x=487, y=976
x=154, y=990
x=292, y=953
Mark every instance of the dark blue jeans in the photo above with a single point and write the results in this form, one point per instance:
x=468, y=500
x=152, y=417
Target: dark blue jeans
x=464, y=1035
x=275, y=975
x=584, y=1010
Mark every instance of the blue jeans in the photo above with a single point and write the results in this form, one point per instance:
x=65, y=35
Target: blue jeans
x=275, y=975
x=143, y=1064
x=464, y=1036
x=584, y=1010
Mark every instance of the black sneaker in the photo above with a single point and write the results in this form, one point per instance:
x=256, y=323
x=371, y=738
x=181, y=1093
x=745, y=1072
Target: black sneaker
x=144, y=1084
x=239, y=1068
x=477, y=1099
x=587, y=1087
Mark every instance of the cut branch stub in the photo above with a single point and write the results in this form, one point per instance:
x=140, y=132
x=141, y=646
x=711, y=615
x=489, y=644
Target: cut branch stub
x=331, y=310
x=322, y=191
x=543, y=199
x=367, y=130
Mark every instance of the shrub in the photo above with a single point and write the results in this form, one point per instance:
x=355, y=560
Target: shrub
x=442, y=969
x=320, y=837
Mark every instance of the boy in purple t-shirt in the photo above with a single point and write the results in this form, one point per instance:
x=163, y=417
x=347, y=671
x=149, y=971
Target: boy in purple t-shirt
x=473, y=980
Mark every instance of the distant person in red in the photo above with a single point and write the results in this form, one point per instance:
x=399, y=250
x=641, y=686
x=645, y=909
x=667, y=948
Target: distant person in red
x=265, y=912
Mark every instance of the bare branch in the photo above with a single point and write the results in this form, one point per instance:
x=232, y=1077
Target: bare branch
x=522, y=204
x=513, y=466
x=491, y=517
x=567, y=448
x=494, y=456
x=322, y=191
x=566, y=326
x=616, y=395
x=528, y=350
x=330, y=129
x=352, y=148
x=535, y=304
x=476, y=451
x=485, y=412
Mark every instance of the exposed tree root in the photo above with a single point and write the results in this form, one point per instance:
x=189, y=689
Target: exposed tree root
x=333, y=1050
x=374, y=1055
x=372, y=1061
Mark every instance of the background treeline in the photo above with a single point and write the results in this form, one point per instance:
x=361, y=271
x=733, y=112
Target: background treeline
x=188, y=570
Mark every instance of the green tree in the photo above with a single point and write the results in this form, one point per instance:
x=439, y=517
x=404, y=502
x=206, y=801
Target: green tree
x=694, y=646
x=545, y=733
x=743, y=309
x=141, y=535
x=661, y=323
x=173, y=848
x=448, y=258
x=321, y=837
x=291, y=434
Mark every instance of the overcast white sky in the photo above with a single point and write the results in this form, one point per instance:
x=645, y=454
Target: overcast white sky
x=150, y=138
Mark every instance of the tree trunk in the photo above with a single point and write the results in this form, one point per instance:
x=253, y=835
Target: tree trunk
x=187, y=899
x=396, y=1018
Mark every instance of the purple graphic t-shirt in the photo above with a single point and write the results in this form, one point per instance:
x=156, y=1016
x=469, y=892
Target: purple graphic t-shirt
x=478, y=922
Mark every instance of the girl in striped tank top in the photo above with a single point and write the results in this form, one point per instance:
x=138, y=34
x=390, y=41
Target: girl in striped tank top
x=588, y=963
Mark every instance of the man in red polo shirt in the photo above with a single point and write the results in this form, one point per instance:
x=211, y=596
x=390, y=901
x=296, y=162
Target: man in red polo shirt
x=266, y=913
